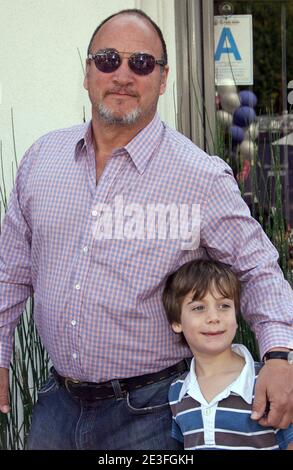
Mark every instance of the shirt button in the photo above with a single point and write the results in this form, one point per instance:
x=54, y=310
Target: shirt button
x=74, y=355
x=208, y=412
x=77, y=286
x=85, y=249
x=73, y=323
x=94, y=213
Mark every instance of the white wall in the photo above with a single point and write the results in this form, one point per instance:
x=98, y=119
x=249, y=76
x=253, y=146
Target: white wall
x=162, y=11
x=40, y=70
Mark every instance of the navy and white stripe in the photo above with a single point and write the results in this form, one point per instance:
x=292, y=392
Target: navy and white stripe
x=228, y=425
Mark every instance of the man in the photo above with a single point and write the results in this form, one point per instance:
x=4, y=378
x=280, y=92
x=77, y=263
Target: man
x=79, y=233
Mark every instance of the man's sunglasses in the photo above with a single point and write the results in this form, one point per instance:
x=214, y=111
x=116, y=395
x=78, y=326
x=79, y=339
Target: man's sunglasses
x=109, y=60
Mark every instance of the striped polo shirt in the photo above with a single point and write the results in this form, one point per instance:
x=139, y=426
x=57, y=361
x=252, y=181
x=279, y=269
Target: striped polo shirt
x=224, y=422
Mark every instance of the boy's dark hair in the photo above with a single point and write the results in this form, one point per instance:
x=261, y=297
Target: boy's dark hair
x=134, y=12
x=198, y=277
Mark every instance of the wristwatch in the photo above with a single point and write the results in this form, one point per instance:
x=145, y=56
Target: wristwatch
x=286, y=355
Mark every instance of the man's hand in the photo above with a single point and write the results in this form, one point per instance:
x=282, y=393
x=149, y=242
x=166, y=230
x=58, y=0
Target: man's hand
x=4, y=385
x=274, y=385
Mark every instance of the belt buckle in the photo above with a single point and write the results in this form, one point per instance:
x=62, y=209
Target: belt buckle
x=69, y=380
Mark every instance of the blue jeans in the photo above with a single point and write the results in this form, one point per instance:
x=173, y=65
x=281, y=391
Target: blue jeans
x=140, y=420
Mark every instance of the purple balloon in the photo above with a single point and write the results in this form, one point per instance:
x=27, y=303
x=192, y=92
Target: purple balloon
x=243, y=116
x=247, y=98
x=237, y=134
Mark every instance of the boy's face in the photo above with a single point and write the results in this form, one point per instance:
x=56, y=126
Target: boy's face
x=209, y=325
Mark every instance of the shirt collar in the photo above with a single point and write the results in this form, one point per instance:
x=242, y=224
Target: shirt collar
x=144, y=145
x=140, y=149
x=243, y=385
x=84, y=139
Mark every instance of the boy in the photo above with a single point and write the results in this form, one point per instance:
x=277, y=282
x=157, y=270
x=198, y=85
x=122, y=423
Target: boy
x=211, y=405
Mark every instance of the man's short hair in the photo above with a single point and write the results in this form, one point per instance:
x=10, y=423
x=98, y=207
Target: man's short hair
x=198, y=277
x=141, y=14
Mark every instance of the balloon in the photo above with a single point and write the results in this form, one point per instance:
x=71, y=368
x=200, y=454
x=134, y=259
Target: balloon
x=243, y=116
x=252, y=132
x=228, y=86
x=237, y=134
x=224, y=118
x=247, y=150
x=248, y=98
x=230, y=101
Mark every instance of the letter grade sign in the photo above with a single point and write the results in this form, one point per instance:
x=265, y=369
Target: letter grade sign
x=233, y=50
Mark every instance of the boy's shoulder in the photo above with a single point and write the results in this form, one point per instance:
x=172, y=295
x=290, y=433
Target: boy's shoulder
x=257, y=366
x=181, y=378
x=176, y=386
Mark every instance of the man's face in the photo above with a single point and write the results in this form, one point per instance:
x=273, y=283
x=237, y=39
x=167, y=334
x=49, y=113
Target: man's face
x=123, y=97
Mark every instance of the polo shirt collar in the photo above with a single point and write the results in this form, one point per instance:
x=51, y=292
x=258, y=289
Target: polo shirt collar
x=243, y=385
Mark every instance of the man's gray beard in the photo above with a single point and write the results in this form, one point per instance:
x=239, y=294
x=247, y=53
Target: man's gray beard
x=109, y=118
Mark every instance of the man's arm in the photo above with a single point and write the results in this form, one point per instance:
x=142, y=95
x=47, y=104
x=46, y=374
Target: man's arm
x=275, y=385
x=232, y=236
x=4, y=385
x=15, y=273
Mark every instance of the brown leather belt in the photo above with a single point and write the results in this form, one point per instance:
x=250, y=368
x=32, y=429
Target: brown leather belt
x=91, y=391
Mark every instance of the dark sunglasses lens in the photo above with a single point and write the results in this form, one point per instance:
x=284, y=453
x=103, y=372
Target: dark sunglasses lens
x=107, y=62
x=142, y=64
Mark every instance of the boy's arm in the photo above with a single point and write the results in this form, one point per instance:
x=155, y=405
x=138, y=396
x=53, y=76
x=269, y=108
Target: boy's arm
x=176, y=432
x=289, y=437
x=285, y=438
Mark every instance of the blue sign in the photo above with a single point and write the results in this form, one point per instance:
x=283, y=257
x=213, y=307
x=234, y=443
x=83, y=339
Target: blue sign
x=227, y=36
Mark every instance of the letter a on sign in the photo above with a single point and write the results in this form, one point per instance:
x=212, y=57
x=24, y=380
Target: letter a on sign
x=227, y=38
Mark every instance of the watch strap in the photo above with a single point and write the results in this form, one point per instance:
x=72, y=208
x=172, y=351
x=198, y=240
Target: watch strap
x=286, y=355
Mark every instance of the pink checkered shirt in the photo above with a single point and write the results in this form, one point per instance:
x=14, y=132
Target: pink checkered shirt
x=98, y=305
